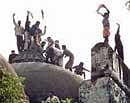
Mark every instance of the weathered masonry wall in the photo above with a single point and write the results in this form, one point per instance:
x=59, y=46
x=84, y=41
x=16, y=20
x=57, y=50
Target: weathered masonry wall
x=108, y=75
x=104, y=90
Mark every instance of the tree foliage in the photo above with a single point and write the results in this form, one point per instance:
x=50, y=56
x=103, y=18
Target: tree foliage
x=11, y=89
x=67, y=100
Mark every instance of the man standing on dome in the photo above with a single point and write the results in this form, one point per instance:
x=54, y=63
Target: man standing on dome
x=27, y=34
x=19, y=31
x=36, y=32
x=69, y=54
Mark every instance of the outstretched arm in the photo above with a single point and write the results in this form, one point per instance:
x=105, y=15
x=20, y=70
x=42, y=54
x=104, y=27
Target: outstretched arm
x=74, y=67
x=118, y=30
x=27, y=19
x=86, y=69
x=106, y=9
x=14, y=19
x=99, y=10
x=44, y=31
x=127, y=3
x=42, y=14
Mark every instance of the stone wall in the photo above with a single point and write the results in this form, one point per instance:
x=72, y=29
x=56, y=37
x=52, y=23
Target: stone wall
x=109, y=77
x=101, y=55
x=104, y=90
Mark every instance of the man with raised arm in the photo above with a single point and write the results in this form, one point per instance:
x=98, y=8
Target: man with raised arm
x=105, y=22
x=19, y=31
x=27, y=34
x=36, y=32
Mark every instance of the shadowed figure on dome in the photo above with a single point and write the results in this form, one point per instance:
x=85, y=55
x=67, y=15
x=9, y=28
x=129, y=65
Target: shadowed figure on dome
x=67, y=53
x=79, y=69
x=12, y=56
x=57, y=44
x=43, y=43
x=36, y=32
x=118, y=44
x=50, y=51
x=19, y=32
x=104, y=72
x=53, y=52
x=57, y=51
x=105, y=22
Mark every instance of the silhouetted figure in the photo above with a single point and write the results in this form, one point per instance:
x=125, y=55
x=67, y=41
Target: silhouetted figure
x=36, y=48
x=12, y=56
x=100, y=73
x=19, y=31
x=52, y=98
x=27, y=34
x=69, y=54
x=105, y=22
x=57, y=44
x=57, y=59
x=43, y=43
x=50, y=42
x=50, y=51
x=118, y=44
x=79, y=69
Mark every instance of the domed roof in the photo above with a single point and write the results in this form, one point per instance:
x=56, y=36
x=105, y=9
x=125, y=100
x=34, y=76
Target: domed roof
x=41, y=78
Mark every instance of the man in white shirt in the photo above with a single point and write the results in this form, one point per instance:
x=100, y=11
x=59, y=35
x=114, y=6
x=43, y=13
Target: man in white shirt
x=52, y=98
x=19, y=31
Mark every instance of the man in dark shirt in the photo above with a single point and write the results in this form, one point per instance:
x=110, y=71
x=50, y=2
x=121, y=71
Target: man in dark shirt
x=27, y=34
x=57, y=44
x=79, y=69
x=12, y=56
x=36, y=32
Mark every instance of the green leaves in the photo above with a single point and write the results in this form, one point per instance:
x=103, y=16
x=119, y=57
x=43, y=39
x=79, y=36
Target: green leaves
x=67, y=100
x=11, y=89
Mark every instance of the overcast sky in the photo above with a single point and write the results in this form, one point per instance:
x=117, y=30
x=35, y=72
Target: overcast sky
x=73, y=22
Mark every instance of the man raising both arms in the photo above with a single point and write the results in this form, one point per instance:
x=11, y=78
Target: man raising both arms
x=19, y=31
x=105, y=22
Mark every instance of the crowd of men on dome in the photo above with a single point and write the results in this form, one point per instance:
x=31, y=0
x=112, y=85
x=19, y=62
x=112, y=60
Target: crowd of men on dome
x=29, y=38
